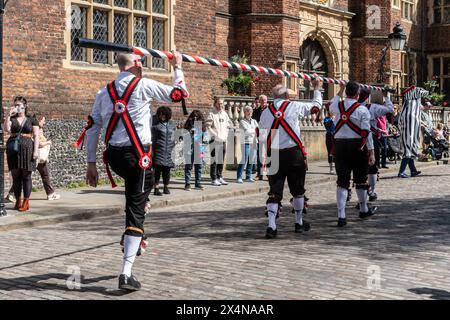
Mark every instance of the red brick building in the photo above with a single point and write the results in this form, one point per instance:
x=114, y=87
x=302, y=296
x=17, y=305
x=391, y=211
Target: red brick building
x=338, y=38
x=61, y=81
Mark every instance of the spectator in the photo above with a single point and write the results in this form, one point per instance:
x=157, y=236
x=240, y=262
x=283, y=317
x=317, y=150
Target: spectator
x=163, y=142
x=22, y=150
x=44, y=149
x=261, y=105
x=438, y=133
x=330, y=128
x=382, y=126
x=249, y=142
x=219, y=125
x=194, y=148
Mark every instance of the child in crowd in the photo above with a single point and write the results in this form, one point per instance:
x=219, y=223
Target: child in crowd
x=163, y=131
x=195, y=142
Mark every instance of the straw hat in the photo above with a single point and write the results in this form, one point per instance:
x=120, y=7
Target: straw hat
x=376, y=97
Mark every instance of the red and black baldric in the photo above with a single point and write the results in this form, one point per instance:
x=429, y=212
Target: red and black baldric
x=79, y=143
x=278, y=116
x=121, y=112
x=345, y=120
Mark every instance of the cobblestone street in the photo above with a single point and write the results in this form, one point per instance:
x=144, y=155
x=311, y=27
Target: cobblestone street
x=217, y=250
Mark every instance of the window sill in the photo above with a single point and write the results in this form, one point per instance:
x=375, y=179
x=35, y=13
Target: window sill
x=96, y=67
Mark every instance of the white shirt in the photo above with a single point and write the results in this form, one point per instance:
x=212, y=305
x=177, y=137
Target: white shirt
x=377, y=110
x=360, y=117
x=139, y=108
x=221, y=124
x=295, y=110
x=249, y=130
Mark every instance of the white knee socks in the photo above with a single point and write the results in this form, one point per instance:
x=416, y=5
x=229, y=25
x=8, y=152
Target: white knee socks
x=131, y=246
x=272, y=210
x=372, y=182
x=341, y=197
x=299, y=204
x=362, y=198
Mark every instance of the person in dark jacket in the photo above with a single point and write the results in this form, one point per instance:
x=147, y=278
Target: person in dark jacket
x=163, y=131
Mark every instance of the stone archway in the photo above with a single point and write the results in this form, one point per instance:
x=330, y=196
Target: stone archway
x=330, y=52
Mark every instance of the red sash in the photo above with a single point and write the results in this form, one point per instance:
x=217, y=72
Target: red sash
x=278, y=116
x=120, y=105
x=345, y=120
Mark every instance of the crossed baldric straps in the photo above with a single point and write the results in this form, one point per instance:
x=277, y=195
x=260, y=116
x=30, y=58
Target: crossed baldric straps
x=345, y=120
x=278, y=116
x=121, y=112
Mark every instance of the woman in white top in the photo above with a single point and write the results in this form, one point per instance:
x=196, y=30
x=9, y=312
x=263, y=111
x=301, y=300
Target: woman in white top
x=248, y=127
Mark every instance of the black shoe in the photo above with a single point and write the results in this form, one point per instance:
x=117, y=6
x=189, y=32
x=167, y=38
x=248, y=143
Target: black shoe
x=415, y=174
x=187, y=187
x=300, y=228
x=342, y=222
x=129, y=283
x=261, y=178
x=270, y=233
x=157, y=192
x=357, y=206
x=166, y=190
x=373, y=197
x=369, y=213
x=385, y=167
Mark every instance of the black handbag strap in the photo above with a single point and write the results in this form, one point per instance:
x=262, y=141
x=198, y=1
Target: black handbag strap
x=21, y=127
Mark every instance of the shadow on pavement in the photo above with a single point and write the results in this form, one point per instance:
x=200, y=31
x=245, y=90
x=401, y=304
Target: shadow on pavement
x=436, y=294
x=38, y=283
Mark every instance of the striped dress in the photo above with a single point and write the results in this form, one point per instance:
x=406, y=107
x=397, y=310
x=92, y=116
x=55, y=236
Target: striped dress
x=409, y=121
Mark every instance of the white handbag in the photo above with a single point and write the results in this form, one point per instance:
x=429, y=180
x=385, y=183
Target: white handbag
x=43, y=154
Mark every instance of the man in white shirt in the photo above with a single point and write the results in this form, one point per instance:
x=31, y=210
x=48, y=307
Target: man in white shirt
x=219, y=126
x=352, y=134
x=377, y=108
x=122, y=110
x=280, y=129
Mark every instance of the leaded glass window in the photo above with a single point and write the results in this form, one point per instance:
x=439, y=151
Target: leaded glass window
x=78, y=30
x=158, y=41
x=100, y=32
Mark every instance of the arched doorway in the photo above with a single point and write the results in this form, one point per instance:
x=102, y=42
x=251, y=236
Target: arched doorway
x=314, y=61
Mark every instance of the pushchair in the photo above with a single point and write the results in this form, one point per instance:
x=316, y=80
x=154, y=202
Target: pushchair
x=394, y=148
x=438, y=148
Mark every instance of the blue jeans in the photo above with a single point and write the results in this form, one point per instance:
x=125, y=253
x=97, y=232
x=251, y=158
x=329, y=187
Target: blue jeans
x=188, y=174
x=248, y=155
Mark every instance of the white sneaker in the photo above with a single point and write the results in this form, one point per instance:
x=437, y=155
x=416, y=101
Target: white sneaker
x=239, y=181
x=11, y=197
x=53, y=196
x=223, y=181
x=216, y=183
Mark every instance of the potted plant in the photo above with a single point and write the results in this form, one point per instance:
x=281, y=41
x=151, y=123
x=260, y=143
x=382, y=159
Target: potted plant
x=239, y=83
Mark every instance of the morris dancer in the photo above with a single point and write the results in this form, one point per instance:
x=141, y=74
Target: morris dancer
x=377, y=108
x=280, y=126
x=351, y=136
x=122, y=109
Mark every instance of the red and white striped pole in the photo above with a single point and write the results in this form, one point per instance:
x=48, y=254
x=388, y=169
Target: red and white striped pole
x=109, y=46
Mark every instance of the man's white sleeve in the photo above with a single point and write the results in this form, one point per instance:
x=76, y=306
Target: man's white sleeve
x=161, y=92
x=305, y=109
x=92, y=135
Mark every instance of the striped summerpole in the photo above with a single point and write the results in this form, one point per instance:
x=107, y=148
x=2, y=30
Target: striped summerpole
x=109, y=46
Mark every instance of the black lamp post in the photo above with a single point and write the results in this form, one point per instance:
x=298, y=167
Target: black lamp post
x=2, y=144
x=398, y=42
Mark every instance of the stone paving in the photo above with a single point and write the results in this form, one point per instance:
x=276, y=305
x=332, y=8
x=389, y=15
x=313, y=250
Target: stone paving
x=217, y=250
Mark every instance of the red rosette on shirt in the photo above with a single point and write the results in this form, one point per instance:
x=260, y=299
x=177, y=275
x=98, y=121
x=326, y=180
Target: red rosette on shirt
x=177, y=96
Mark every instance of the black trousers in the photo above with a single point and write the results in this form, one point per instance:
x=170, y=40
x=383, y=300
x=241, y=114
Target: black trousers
x=165, y=172
x=329, y=144
x=292, y=165
x=21, y=181
x=217, y=159
x=124, y=161
x=348, y=158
